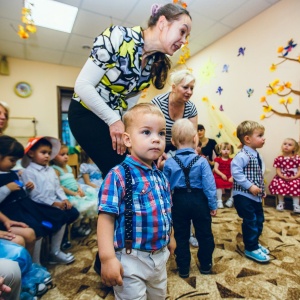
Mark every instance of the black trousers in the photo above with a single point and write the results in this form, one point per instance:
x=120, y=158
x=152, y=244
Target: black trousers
x=253, y=218
x=193, y=206
x=92, y=134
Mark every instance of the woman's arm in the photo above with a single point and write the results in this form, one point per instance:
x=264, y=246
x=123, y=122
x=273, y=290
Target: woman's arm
x=85, y=84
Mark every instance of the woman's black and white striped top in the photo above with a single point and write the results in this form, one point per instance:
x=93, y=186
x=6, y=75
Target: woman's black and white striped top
x=162, y=101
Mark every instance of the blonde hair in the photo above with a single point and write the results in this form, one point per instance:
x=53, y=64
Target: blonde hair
x=182, y=75
x=247, y=128
x=223, y=146
x=296, y=144
x=138, y=109
x=183, y=131
x=5, y=106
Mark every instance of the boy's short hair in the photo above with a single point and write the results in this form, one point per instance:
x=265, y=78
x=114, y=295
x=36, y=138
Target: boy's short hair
x=140, y=108
x=247, y=128
x=183, y=131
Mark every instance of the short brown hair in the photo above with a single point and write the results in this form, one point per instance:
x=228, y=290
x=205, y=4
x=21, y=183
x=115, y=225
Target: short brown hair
x=141, y=108
x=247, y=128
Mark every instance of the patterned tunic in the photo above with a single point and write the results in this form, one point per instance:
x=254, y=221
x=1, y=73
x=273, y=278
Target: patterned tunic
x=289, y=167
x=118, y=51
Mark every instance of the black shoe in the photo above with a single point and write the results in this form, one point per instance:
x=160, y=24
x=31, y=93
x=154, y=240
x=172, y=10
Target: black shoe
x=66, y=245
x=206, y=270
x=184, y=272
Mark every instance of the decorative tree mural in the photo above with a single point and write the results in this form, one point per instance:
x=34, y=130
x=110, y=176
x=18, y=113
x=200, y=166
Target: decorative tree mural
x=283, y=90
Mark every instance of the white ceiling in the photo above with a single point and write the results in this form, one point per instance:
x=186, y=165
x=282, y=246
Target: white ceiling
x=212, y=19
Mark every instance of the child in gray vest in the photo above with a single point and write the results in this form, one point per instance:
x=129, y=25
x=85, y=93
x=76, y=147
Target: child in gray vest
x=194, y=198
x=248, y=188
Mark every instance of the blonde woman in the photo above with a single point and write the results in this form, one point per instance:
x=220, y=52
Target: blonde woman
x=176, y=104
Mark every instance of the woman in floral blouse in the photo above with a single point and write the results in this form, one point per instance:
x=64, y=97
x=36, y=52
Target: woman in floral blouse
x=122, y=63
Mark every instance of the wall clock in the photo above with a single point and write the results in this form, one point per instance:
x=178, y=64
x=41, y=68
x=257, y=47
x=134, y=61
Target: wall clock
x=23, y=89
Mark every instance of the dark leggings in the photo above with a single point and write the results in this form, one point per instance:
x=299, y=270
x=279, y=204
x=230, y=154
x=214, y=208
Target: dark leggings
x=92, y=134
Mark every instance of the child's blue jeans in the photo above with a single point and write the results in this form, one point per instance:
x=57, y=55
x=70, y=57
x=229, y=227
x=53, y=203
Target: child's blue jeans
x=253, y=218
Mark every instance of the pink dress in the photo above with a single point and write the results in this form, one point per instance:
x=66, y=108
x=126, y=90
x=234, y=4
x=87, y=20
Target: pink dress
x=224, y=167
x=289, y=167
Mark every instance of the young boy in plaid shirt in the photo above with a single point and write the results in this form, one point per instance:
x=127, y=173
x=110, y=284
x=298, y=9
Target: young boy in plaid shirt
x=138, y=269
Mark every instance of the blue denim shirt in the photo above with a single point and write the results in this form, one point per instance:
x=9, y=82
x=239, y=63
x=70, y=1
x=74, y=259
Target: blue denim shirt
x=201, y=176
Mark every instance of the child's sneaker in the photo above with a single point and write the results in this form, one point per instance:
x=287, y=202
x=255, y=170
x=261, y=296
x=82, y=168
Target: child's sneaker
x=296, y=208
x=280, y=206
x=263, y=249
x=257, y=255
x=61, y=258
x=229, y=202
x=220, y=204
x=193, y=241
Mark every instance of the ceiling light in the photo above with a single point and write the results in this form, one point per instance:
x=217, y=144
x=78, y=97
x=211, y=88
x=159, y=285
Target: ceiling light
x=53, y=15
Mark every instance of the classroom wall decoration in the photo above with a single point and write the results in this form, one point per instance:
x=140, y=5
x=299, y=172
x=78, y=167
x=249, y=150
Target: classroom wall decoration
x=283, y=90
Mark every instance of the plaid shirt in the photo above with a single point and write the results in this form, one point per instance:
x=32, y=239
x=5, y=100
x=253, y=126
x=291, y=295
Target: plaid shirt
x=151, y=205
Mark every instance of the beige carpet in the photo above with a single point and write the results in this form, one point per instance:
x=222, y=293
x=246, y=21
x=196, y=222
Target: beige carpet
x=234, y=276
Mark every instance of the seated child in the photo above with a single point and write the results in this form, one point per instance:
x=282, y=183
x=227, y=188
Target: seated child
x=222, y=172
x=15, y=203
x=17, y=232
x=194, y=198
x=85, y=203
x=47, y=190
x=89, y=173
x=287, y=178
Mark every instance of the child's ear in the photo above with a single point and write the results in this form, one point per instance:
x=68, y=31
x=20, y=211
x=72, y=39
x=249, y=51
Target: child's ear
x=247, y=139
x=126, y=139
x=173, y=143
x=196, y=139
x=30, y=153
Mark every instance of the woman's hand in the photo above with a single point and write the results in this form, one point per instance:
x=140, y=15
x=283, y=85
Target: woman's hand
x=116, y=130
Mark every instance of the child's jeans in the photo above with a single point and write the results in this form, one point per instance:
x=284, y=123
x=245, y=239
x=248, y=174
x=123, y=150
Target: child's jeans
x=145, y=275
x=193, y=206
x=253, y=218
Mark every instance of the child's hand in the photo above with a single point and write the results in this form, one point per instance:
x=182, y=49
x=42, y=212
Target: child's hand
x=7, y=235
x=10, y=223
x=254, y=190
x=81, y=192
x=172, y=245
x=224, y=177
x=213, y=213
x=29, y=185
x=111, y=272
x=13, y=186
x=161, y=161
x=67, y=203
x=59, y=205
x=230, y=179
